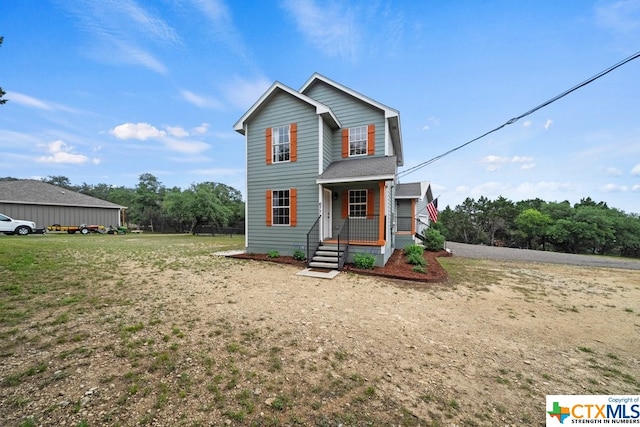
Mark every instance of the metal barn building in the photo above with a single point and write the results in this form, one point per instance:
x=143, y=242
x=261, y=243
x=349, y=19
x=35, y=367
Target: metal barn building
x=47, y=204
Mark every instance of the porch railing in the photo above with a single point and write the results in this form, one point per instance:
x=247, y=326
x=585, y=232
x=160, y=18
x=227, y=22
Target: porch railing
x=366, y=229
x=313, y=239
x=343, y=244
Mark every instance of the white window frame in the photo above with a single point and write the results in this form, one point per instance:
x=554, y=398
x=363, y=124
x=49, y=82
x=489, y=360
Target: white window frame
x=357, y=206
x=358, y=141
x=281, y=207
x=281, y=144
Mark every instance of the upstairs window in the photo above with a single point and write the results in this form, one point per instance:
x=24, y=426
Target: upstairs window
x=281, y=139
x=281, y=144
x=358, y=141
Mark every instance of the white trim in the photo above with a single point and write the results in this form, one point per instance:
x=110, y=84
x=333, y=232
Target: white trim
x=246, y=186
x=355, y=179
x=320, y=144
x=388, y=112
x=321, y=109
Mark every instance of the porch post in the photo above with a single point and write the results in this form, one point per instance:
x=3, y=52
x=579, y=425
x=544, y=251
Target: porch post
x=381, y=214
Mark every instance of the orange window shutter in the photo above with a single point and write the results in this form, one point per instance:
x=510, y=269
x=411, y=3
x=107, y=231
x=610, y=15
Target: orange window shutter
x=269, y=212
x=345, y=143
x=268, y=145
x=293, y=207
x=293, y=128
x=345, y=203
x=371, y=140
x=371, y=194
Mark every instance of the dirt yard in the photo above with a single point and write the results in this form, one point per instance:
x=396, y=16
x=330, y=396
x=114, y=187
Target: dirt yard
x=242, y=342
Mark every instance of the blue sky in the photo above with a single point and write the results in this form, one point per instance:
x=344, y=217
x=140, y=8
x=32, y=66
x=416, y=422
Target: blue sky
x=102, y=91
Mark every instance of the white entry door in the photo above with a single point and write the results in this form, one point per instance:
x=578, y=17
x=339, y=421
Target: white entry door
x=327, y=206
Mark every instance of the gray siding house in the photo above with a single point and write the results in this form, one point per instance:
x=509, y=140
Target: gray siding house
x=412, y=216
x=47, y=204
x=322, y=167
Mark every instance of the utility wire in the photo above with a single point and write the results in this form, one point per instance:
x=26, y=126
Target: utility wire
x=515, y=119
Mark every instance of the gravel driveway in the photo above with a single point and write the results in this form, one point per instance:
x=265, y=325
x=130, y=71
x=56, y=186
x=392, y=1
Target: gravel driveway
x=510, y=254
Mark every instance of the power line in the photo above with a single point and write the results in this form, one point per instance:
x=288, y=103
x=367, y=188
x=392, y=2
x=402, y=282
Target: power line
x=515, y=119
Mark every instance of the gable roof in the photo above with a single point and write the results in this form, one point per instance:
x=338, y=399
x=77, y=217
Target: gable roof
x=391, y=115
x=278, y=87
x=359, y=169
x=33, y=192
x=414, y=190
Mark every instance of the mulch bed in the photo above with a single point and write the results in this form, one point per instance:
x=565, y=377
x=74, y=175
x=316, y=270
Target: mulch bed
x=396, y=268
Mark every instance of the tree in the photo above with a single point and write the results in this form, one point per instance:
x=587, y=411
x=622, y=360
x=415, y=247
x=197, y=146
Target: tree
x=533, y=224
x=205, y=203
x=495, y=216
x=2, y=92
x=60, y=181
x=147, y=201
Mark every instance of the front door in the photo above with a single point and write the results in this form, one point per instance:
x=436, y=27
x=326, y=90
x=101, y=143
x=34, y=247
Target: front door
x=326, y=213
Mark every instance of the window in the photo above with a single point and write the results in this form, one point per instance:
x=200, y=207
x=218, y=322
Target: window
x=358, y=141
x=281, y=144
x=358, y=203
x=281, y=207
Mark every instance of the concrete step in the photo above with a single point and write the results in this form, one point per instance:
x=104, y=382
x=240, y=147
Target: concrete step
x=329, y=265
x=320, y=258
x=328, y=253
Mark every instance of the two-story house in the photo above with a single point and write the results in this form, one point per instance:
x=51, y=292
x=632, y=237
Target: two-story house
x=321, y=170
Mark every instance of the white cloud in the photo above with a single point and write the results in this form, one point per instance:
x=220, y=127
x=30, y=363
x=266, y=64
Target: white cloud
x=548, y=124
x=243, y=93
x=526, y=123
x=186, y=147
x=539, y=189
x=140, y=131
x=613, y=188
x=494, y=163
x=636, y=170
x=118, y=30
x=60, y=152
x=331, y=27
x=177, y=131
x=28, y=101
x=636, y=187
x=621, y=16
x=202, y=129
x=613, y=171
x=528, y=166
x=199, y=100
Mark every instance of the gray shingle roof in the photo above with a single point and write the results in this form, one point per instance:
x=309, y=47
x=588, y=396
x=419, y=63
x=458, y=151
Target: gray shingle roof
x=411, y=190
x=360, y=169
x=33, y=192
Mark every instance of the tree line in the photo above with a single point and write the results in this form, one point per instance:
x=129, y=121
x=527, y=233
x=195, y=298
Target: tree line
x=586, y=227
x=152, y=205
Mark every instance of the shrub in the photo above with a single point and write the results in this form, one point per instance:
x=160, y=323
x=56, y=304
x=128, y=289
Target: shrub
x=413, y=249
x=299, y=255
x=433, y=241
x=419, y=269
x=416, y=259
x=364, y=261
x=273, y=254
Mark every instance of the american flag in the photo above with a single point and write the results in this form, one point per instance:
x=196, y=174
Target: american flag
x=432, y=208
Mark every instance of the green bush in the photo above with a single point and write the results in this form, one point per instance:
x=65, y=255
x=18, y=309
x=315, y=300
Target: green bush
x=364, y=261
x=419, y=269
x=434, y=241
x=299, y=255
x=416, y=259
x=273, y=254
x=413, y=249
